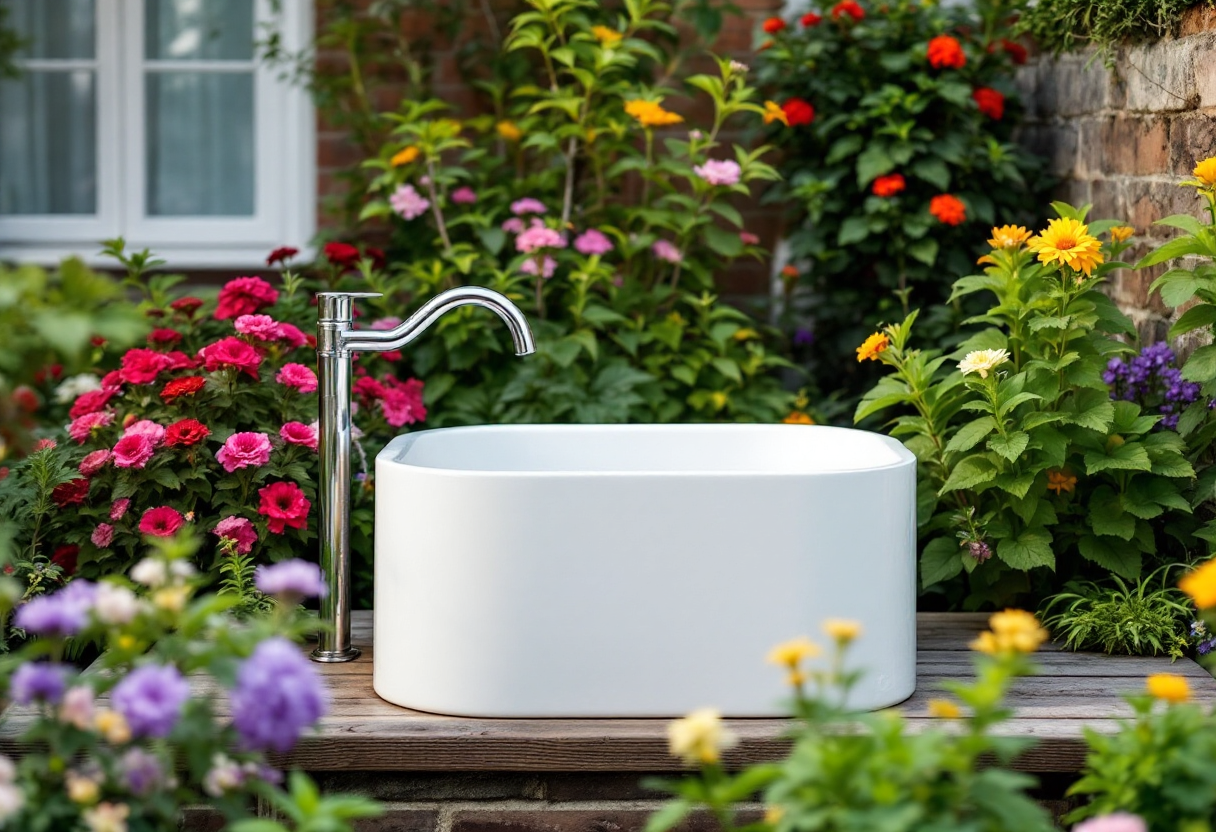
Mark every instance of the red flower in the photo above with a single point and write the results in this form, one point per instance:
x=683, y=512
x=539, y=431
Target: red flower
x=948, y=209
x=889, y=185
x=54, y=371
x=231, y=352
x=369, y=390
x=26, y=399
x=140, y=366
x=1015, y=51
x=798, y=111
x=810, y=19
x=773, y=25
x=379, y=261
x=93, y=462
x=161, y=521
x=281, y=255
x=284, y=505
x=97, y=341
x=945, y=51
x=71, y=493
x=342, y=254
x=182, y=387
x=187, y=305
x=186, y=432
x=91, y=402
x=244, y=296
x=180, y=361
x=849, y=7
x=154, y=313
x=164, y=336
x=990, y=102
x=65, y=558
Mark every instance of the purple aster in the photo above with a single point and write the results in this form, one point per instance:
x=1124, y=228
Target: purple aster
x=803, y=337
x=63, y=613
x=151, y=699
x=1152, y=380
x=979, y=550
x=141, y=772
x=527, y=205
x=464, y=196
x=38, y=682
x=278, y=695
x=294, y=578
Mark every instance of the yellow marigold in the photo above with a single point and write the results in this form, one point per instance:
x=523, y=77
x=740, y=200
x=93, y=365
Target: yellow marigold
x=1168, y=686
x=509, y=131
x=773, y=112
x=944, y=709
x=794, y=652
x=1058, y=481
x=842, y=630
x=651, y=113
x=1012, y=631
x=873, y=347
x=1122, y=233
x=1200, y=584
x=699, y=737
x=982, y=361
x=404, y=156
x=1205, y=172
x=797, y=417
x=1008, y=236
x=112, y=726
x=606, y=36
x=1067, y=242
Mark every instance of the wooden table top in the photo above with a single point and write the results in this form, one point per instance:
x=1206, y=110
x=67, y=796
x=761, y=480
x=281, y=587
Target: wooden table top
x=364, y=733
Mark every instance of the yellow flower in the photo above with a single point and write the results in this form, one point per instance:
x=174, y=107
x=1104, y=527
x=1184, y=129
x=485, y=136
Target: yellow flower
x=651, y=113
x=404, y=156
x=792, y=653
x=842, y=630
x=107, y=817
x=982, y=361
x=171, y=598
x=606, y=36
x=126, y=641
x=82, y=790
x=1012, y=631
x=1200, y=584
x=509, y=131
x=1008, y=236
x=773, y=814
x=1067, y=242
x=1205, y=172
x=797, y=417
x=1121, y=233
x=1169, y=687
x=773, y=112
x=719, y=399
x=873, y=346
x=745, y=334
x=944, y=709
x=699, y=737
x=1058, y=481
x=112, y=726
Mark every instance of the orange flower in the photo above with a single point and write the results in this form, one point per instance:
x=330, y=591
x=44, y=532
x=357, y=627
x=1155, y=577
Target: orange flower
x=850, y=8
x=1168, y=686
x=773, y=112
x=1121, y=233
x=797, y=417
x=773, y=25
x=948, y=209
x=1008, y=236
x=404, y=156
x=873, y=347
x=651, y=113
x=1200, y=584
x=509, y=131
x=889, y=185
x=945, y=51
x=789, y=271
x=1059, y=481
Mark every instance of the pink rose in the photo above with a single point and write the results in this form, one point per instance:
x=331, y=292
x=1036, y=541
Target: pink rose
x=133, y=451
x=141, y=366
x=82, y=426
x=262, y=327
x=402, y=402
x=102, y=535
x=298, y=433
x=161, y=521
x=239, y=530
x=92, y=463
x=297, y=376
x=119, y=509
x=91, y=402
x=243, y=450
x=231, y=352
x=290, y=335
x=464, y=196
x=719, y=171
x=244, y=296
x=148, y=428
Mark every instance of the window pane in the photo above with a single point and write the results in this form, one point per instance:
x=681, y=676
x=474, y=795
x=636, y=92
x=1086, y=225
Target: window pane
x=200, y=143
x=198, y=29
x=53, y=28
x=48, y=162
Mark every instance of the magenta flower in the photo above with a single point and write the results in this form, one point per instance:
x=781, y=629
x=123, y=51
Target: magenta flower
x=527, y=205
x=82, y=426
x=102, y=535
x=719, y=172
x=119, y=508
x=238, y=530
x=464, y=196
x=290, y=335
x=297, y=376
x=666, y=251
x=748, y=238
x=161, y=521
x=262, y=327
x=94, y=462
x=592, y=242
x=148, y=428
x=539, y=236
x=408, y=202
x=298, y=433
x=244, y=450
x=391, y=322
x=402, y=403
x=133, y=451
x=549, y=266
x=513, y=226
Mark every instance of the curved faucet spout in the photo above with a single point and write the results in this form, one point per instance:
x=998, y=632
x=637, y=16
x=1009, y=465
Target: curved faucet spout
x=368, y=340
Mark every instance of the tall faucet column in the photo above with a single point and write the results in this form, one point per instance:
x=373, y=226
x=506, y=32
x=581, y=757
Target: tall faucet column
x=335, y=315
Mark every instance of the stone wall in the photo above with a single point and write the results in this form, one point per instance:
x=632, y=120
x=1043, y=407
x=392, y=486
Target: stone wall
x=1122, y=138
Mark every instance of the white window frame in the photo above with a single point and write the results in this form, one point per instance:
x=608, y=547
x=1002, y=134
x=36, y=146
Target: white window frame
x=285, y=190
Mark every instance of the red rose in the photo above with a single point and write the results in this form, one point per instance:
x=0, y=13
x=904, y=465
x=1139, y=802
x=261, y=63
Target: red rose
x=798, y=111
x=810, y=19
x=948, y=209
x=178, y=360
x=231, y=352
x=154, y=313
x=140, y=366
x=182, y=387
x=850, y=8
x=65, y=558
x=164, y=336
x=945, y=52
x=186, y=432
x=773, y=25
x=187, y=305
x=244, y=296
x=97, y=341
x=161, y=521
x=281, y=255
x=71, y=493
x=990, y=102
x=889, y=185
x=342, y=254
x=111, y=380
x=284, y=505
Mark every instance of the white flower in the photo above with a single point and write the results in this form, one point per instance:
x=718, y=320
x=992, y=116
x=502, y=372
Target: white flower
x=699, y=737
x=225, y=774
x=981, y=361
x=11, y=801
x=107, y=817
x=181, y=570
x=76, y=386
x=115, y=604
x=7, y=770
x=77, y=708
x=150, y=572
x=738, y=66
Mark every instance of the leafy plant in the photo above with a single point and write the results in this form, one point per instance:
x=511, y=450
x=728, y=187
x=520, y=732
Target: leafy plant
x=1062, y=25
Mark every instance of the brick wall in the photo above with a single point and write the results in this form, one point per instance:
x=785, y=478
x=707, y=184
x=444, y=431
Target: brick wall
x=1122, y=138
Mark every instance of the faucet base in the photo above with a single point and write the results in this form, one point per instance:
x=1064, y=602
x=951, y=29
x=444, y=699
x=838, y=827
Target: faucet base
x=328, y=656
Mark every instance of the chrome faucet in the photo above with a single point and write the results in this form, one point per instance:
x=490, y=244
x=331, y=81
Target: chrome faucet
x=336, y=340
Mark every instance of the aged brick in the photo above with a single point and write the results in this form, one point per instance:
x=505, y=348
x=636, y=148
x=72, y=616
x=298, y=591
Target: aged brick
x=597, y=786
x=1192, y=138
x=201, y=820
x=422, y=786
x=1196, y=19
x=396, y=819
x=1136, y=145
x=1026, y=81
x=1149, y=201
x=1071, y=86
x=1057, y=143
x=1106, y=195
x=1161, y=77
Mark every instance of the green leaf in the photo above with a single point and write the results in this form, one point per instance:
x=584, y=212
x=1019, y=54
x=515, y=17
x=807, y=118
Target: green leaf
x=843, y=148
x=1010, y=446
x=1201, y=366
x=1119, y=557
x=971, y=434
x=728, y=368
x=1203, y=314
x=853, y=230
x=1184, y=221
x=970, y=472
x=670, y=816
x=167, y=478
x=1030, y=549
x=1130, y=456
x=934, y=171
x=723, y=242
x=924, y=250
x=941, y=560
x=873, y=162
x=1107, y=517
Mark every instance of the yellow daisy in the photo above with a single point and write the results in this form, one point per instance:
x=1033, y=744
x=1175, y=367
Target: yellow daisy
x=1200, y=584
x=1067, y=242
x=651, y=113
x=1205, y=172
x=873, y=347
x=1169, y=687
x=509, y=131
x=1121, y=233
x=606, y=36
x=1008, y=236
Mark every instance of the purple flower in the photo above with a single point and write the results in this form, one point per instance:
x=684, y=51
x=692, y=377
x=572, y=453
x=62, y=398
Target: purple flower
x=592, y=242
x=513, y=226
x=666, y=251
x=539, y=236
x=408, y=202
x=979, y=550
x=548, y=267
x=464, y=196
x=1151, y=380
x=151, y=699
x=278, y=695
x=292, y=578
x=63, y=613
x=719, y=172
x=38, y=682
x=141, y=772
x=803, y=337
x=527, y=205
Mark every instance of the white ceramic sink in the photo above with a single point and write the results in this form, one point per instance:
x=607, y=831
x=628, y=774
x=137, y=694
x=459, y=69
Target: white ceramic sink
x=639, y=570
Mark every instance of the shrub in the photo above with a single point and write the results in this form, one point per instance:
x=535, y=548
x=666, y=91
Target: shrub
x=1059, y=26
x=898, y=152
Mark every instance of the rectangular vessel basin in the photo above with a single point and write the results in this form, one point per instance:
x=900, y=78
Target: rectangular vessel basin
x=637, y=570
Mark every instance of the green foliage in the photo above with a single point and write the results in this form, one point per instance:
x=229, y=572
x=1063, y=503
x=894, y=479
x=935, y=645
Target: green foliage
x=1148, y=618
x=237, y=580
x=10, y=43
x=881, y=109
x=1062, y=25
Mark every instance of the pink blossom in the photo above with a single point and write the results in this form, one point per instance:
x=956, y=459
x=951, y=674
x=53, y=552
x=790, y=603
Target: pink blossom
x=133, y=451
x=592, y=242
x=549, y=267
x=290, y=335
x=464, y=196
x=719, y=171
x=297, y=376
x=162, y=521
x=148, y=428
x=402, y=403
x=298, y=433
x=391, y=322
x=513, y=226
x=748, y=238
x=262, y=327
x=539, y=236
x=666, y=251
x=237, y=529
x=1115, y=822
x=407, y=202
x=102, y=535
x=528, y=205
x=119, y=508
x=93, y=462
x=82, y=426
x=243, y=450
